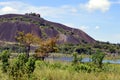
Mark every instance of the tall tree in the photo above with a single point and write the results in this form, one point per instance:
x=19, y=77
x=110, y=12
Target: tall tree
x=45, y=47
x=26, y=40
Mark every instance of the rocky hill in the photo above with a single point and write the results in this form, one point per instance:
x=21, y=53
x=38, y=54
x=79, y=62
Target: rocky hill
x=33, y=23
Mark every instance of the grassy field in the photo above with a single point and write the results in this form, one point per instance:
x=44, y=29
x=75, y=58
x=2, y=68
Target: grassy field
x=56, y=70
x=47, y=73
x=65, y=71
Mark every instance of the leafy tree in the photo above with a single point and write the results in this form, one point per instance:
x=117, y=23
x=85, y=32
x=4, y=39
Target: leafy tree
x=86, y=49
x=112, y=50
x=26, y=40
x=97, y=58
x=45, y=47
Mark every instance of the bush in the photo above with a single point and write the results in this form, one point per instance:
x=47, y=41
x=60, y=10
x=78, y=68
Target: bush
x=22, y=67
x=82, y=67
x=55, y=65
x=76, y=59
x=17, y=67
x=4, y=57
x=97, y=58
x=30, y=65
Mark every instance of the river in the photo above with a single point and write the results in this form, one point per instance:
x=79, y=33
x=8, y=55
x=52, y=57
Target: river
x=83, y=60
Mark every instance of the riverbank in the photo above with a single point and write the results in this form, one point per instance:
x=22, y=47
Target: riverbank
x=107, y=57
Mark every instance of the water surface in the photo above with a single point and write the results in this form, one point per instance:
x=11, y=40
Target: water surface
x=83, y=60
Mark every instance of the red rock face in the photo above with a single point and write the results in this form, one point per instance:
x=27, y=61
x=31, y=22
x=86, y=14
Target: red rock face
x=11, y=23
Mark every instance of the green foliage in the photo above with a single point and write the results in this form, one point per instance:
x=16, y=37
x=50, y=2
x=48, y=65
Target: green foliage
x=84, y=68
x=66, y=48
x=4, y=58
x=14, y=70
x=56, y=65
x=15, y=48
x=86, y=49
x=22, y=66
x=76, y=59
x=89, y=48
x=22, y=58
x=97, y=58
x=17, y=68
x=30, y=65
x=61, y=71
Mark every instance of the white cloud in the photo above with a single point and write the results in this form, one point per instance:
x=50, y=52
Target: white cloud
x=86, y=28
x=7, y=9
x=97, y=27
x=114, y=38
x=45, y=11
x=83, y=27
x=70, y=8
x=102, y=5
x=74, y=10
x=69, y=24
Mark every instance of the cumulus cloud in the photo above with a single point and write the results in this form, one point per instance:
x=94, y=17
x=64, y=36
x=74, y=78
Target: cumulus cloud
x=97, y=27
x=8, y=9
x=102, y=5
x=46, y=11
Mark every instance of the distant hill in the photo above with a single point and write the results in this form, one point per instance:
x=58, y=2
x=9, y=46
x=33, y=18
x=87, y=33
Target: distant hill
x=33, y=23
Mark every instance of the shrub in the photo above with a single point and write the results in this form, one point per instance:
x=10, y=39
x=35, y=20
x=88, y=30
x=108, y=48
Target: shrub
x=97, y=58
x=55, y=65
x=30, y=65
x=22, y=67
x=76, y=59
x=4, y=57
x=17, y=67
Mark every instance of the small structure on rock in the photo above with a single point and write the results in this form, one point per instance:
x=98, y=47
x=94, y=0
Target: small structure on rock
x=32, y=14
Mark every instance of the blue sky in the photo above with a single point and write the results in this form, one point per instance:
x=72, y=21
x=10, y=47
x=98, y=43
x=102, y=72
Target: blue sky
x=99, y=18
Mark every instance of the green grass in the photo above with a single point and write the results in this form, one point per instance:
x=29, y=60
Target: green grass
x=53, y=70
x=46, y=73
x=60, y=70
